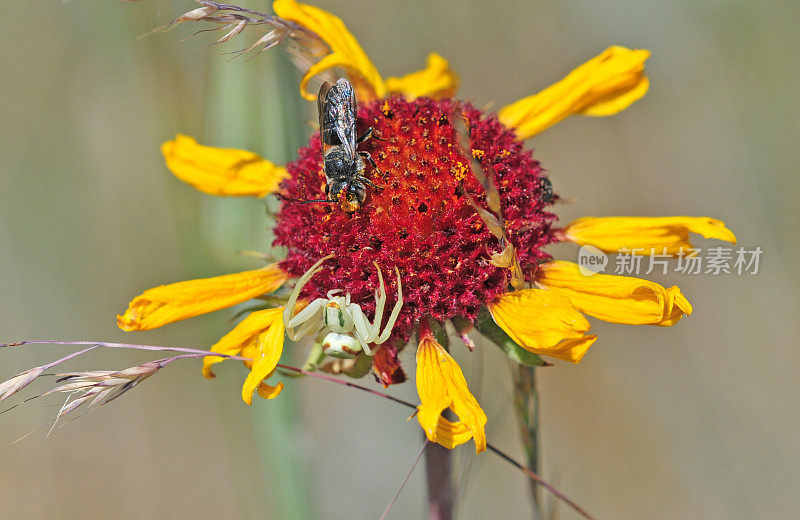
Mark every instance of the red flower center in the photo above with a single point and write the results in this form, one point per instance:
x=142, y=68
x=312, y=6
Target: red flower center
x=420, y=218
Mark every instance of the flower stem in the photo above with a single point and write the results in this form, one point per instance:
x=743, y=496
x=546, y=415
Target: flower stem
x=526, y=406
x=438, y=460
x=438, y=469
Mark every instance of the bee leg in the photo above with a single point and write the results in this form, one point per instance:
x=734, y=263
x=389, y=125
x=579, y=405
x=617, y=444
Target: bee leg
x=371, y=161
x=368, y=157
x=366, y=135
x=370, y=133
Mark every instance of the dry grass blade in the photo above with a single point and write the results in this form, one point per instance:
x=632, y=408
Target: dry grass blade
x=19, y=381
x=23, y=379
x=307, y=48
x=235, y=30
x=98, y=387
x=105, y=385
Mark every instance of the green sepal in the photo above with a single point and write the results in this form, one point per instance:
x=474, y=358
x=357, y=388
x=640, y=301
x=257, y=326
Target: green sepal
x=440, y=334
x=360, y=368
x=491, y=331
x=315, y=357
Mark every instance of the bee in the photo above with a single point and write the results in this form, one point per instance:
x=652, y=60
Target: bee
x=343, y=164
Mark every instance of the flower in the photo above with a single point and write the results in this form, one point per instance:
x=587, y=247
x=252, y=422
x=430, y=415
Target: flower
x=460, y=209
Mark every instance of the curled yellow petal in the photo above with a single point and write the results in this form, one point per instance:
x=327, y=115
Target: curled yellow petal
x=602, y=86
x=248, y=339
x=451, y=434
x=221, y=171
x=640, y=235
x=617, y=299
x=680, y=307
x=441, y=385
x=543, y=322
x=345, y=50
x=436, y=80
x=269, y=348
x=168, y=303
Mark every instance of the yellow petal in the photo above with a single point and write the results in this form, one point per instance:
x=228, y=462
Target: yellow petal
x=246, y=339
x=667, y=235
x=543, y=322
x=345, y=50
x=617, y=299
x=167, y=303
x=602, y=86
x=269, y=349
x=269, y=392
x=680, y=306
x=221, y=171
x=441, y=385
x=451, y=434
x=436, y=80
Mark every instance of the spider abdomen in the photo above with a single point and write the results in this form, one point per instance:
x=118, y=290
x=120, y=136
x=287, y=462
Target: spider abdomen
x=342, y=346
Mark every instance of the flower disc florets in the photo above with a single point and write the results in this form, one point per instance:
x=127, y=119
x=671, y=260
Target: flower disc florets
x=421, y=218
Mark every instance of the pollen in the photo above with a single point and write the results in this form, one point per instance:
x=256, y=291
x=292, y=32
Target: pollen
x=387, y=110
x=459, y=171
x=419, y=216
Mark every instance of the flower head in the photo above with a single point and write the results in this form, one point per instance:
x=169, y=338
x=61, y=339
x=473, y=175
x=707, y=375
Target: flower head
x=456, y=206
x=421, y=217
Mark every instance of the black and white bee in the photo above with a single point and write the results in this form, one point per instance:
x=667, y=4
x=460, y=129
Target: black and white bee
x=343, y=164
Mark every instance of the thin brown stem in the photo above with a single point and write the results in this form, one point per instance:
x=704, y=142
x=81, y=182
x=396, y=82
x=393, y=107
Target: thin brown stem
x=531, y=474
x=405, y=481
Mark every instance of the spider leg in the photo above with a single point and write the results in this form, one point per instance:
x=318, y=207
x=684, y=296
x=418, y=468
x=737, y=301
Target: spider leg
x=380, y=302
x=395, y=312
x=288, y=310
x=368, y=351
x=365, y=332
x=364, y=346
x=311, y=311
x=364, y=328
x=311, y=326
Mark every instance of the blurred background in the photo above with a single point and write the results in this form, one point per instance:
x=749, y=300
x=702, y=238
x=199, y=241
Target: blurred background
x=694, y=421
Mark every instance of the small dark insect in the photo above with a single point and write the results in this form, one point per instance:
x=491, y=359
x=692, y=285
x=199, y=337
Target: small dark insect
x=546, y=186
x=343, y=165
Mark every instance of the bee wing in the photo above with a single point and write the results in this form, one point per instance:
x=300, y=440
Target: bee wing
x=322, y=102
x=344, y=98
x=321, y=99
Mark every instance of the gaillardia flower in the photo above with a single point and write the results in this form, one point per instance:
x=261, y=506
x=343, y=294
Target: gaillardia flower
x=457, y=220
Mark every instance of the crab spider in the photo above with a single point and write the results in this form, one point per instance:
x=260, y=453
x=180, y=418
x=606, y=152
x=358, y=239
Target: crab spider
x=349, y=330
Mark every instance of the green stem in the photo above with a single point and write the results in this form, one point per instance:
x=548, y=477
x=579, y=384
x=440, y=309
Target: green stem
x=526, y=406
x=276, y=425
x=254, y=105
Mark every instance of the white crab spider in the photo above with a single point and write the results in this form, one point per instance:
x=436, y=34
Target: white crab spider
x=349, y=330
